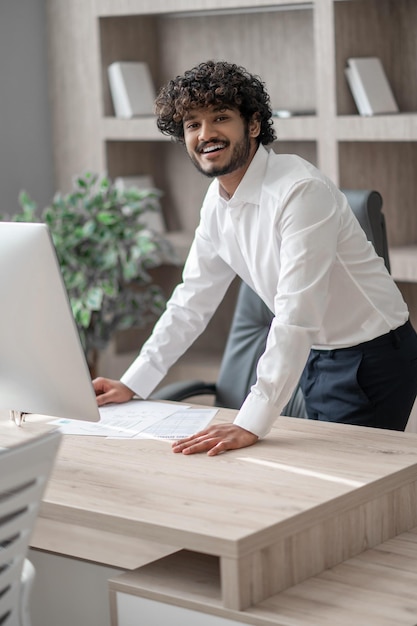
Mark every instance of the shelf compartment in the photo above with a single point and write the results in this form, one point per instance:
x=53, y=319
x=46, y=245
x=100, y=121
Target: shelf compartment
x=382, y=28
x=305, y=149
x=170, y=46
x=390, y=168
x=182, y=185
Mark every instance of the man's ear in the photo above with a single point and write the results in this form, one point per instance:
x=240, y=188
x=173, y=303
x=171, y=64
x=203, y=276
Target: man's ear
x=255, y=125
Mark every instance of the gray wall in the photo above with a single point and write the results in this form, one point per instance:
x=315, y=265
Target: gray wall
x=25, y=123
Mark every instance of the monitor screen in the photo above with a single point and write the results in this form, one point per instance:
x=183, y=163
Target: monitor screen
x=42, y=364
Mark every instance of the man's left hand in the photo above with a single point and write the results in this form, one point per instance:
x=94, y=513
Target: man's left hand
x=215, y=439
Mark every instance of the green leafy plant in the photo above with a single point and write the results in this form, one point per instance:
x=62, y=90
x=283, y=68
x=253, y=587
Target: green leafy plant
x=105, y=252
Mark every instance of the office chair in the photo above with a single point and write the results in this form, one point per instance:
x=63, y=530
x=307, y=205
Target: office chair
x=367, y=207
x=24, y=471
x=251, y=322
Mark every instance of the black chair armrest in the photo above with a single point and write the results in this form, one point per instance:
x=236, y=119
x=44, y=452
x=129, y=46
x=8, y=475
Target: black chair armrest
x=182, y=390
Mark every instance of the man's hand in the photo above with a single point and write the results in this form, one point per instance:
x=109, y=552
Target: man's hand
x=215, y=439
x=108, y=390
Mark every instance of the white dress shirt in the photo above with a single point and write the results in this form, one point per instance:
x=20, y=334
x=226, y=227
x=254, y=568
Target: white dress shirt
x=289, y=233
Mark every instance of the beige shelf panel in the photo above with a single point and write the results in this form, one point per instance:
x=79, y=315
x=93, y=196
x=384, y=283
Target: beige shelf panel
x=135, y=129
x=403, y=262
x=298, y=128
x=396, y=127
x=145, y=7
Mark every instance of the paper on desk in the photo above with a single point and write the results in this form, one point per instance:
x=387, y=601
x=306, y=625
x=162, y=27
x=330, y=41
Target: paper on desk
x=181, y=424
x=81, y=427
x=120, y=420
x=136, y=414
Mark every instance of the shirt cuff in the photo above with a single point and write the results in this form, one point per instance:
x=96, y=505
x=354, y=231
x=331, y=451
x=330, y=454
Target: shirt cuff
x=142, y=378
x=256, y=416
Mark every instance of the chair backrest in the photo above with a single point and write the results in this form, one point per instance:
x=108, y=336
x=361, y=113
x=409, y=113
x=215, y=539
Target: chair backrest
x=252, y=318
x=245, y=344
x=24, y=472
x=367, y=207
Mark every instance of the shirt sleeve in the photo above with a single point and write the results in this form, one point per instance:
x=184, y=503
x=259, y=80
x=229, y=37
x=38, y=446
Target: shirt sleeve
x=308, y=229
x=206, y=278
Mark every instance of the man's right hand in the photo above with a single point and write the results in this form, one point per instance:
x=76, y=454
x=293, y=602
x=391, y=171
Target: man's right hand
x=108, y=390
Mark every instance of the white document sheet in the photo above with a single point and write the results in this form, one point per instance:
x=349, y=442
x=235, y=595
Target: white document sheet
x=96, y=429
x=120, y=420
x=179, y=425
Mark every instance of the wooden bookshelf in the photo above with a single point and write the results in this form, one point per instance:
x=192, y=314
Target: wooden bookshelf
x=300, y=51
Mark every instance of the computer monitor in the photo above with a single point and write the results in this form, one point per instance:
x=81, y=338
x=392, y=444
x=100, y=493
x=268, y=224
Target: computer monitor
x=43, y=368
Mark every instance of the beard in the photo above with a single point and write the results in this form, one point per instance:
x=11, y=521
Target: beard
x=238, y=159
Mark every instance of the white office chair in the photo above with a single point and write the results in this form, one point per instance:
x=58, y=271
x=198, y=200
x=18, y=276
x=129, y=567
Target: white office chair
x=24, y=472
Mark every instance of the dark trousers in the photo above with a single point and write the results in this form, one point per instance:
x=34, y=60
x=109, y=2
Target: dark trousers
x=372, y=384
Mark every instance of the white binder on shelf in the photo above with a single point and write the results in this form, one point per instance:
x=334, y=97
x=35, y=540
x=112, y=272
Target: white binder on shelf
x=369, y=86
x=132, y=89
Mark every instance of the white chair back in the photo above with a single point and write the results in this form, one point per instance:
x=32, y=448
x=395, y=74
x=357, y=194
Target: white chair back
x=24, y=472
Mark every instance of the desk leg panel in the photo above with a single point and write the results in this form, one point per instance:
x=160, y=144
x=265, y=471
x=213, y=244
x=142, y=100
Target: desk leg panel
x=236, y=579
x=293, y=559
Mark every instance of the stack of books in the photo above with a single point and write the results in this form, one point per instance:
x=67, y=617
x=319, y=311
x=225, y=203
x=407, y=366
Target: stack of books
x=369, y=86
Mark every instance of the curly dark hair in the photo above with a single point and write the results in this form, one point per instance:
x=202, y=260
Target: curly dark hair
x=214, y=84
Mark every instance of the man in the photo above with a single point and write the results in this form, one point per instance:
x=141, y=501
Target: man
x=288, y=232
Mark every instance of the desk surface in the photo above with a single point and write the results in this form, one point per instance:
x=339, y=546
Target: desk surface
x=324, y=490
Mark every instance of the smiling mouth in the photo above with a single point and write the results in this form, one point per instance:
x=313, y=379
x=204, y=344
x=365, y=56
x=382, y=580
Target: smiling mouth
x=212, y=148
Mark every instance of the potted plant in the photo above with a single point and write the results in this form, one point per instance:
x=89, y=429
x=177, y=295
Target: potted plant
x=105, y=252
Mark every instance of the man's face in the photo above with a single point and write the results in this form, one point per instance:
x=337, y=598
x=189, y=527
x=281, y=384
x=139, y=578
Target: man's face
x=217, y=140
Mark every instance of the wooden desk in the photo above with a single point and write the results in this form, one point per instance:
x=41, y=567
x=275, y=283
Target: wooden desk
x=375, y=588
x=309, y=496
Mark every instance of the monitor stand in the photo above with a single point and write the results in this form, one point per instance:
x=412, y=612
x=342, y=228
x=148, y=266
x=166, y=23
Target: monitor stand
x=17, y=416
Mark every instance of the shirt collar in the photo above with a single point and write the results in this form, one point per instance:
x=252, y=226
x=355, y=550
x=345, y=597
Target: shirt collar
x=249, y=188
